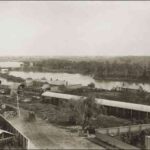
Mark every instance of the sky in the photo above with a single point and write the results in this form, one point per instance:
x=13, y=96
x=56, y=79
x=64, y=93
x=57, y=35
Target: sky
x=74, y=28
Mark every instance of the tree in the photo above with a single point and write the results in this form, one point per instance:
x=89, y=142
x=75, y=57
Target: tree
x=81, y=112
x=86, y=110
x=91, y=85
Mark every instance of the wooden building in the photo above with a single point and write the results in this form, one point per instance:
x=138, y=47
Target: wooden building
x=58, y=98
x=4, y=71
x=57, y=85
x=116, y=108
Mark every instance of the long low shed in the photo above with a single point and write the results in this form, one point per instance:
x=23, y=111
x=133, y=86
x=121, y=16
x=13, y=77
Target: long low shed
x=124, y=105
x=104, y=102
x=62, y=96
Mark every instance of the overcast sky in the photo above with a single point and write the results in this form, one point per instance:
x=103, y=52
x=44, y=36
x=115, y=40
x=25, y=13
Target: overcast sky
x=75, y=28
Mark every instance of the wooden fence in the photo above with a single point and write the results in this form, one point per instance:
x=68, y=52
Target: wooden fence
x=117, y=144
x=123, y=129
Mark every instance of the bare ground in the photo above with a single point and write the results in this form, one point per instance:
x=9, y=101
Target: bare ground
x=43, y=135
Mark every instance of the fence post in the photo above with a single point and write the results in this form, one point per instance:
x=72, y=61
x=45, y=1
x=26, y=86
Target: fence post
x=140, y=128
x=107, y=131
x=147, y=142
x=118, y=130
x=129, y=129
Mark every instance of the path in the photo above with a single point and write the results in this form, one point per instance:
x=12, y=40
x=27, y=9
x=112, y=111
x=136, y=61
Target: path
x=43, y=136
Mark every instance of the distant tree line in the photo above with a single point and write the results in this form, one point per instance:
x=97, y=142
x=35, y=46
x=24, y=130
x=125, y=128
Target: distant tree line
x=127, y=68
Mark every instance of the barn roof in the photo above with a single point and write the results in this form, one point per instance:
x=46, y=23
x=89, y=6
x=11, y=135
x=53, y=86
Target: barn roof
x=61, y=96
x=104, y=102
x=125, y=105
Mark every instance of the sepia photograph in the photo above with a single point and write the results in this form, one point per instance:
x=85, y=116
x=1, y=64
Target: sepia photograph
x=74, y=75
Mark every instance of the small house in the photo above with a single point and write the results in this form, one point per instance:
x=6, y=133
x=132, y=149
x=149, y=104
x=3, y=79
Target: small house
x=57, y=85
x=45, y=87
x=29, y=82
x=43, y=80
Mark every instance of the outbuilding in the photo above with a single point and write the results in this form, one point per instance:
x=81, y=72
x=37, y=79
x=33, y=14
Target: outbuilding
x=29, y=82
x=57, y=85
x=116, y=108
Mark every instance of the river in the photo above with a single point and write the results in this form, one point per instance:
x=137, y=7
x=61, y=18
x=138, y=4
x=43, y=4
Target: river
x=8, y=64
x=80, y=79
x=5, y=81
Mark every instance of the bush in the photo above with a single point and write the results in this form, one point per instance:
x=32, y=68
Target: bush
x=91, y=85
x=105, y=121
x=136, y=138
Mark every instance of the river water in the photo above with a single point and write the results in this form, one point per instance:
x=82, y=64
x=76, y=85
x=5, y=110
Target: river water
x=71, y=78
x=80, y=79
x=8, y=64
x=5, y=82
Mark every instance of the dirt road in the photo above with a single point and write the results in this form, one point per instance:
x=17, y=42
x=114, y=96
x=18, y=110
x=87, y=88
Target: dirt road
x=43, y=135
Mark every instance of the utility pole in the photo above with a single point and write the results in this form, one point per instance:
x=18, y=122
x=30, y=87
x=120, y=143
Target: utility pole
x=18, y=104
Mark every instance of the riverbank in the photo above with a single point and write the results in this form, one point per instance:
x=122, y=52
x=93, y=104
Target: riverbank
x=81, y=79
x=118, y=69
x=11, y=78
x=129, y=80
x=101, y=91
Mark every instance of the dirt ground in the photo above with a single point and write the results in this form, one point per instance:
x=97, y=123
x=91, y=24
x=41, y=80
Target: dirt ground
x=43, y=135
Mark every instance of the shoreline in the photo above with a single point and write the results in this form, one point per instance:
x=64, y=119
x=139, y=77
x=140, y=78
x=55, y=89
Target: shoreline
x=11, y=78
x=121, y=80
x=129, y=80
